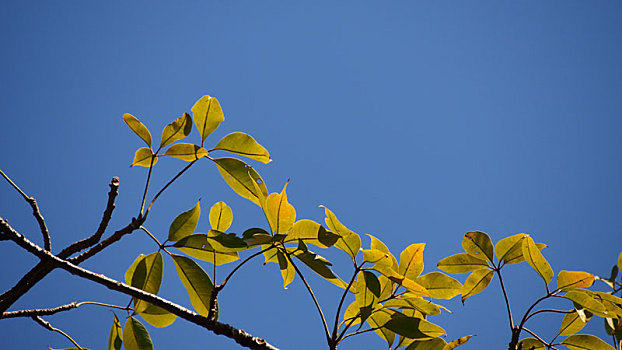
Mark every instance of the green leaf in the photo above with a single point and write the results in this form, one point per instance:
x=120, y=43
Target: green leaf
x=147, y=276
x=157, y=316
x=310, y=232
x=440, y=285
x=460, y=341
x=586, y=299
x=536, y=260
x=461, y=263
x=531, y=344
x=281, y=215
x=176, y=130
x=135, y=336
x=574, y=279
x=320, y=266
x=572, y=323
x=412, y=327
x=207, y=115
x=428, y=344
x=585, y=342
x=115, y=339
x=243, y=179
x=287, y=269
x=243, y=145
x=198, y=247
x=349, y=241
x=185, y=223
x=411, y=261
x=478, y=244
x=138, y=128
x=130, y=270
x=196, y=281
x=220, y=217
x=186, y=151
x=144, y=157
x=477, y=281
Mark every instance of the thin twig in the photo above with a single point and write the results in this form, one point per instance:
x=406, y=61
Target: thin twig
x=142, y=203
x=224, y=282
x=152, y=236
x=343, y=298
x=359, y=332
x=505, y=296
x=49, y=327
x=548, y=310
x=538, y=337
x=53, y=310
x=165, y=187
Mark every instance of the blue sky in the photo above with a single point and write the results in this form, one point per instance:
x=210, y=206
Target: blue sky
x=412, y=121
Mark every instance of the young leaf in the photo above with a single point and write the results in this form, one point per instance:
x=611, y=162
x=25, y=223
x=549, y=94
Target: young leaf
x=244, y=145
x=440, y=285
x=135, y=336
x=586, y=342
x=531, y=344
x=287, y=269
x=349, y=241
x=572, y=323
x=185, y=223
x=157, y=317
x=198, y=247
x=186, y=151
x=176, y=130
x=196, y=281
x=461, y=263
x=281, y=215
x=207, y=115
x=148, y=277
x=476, y=282
x=536, y=260
x=478, y=244
x=411, y=261
x=243, y=179
x=138, y=128
x=574, y=279
x=460, y=341
x=144, y=157
x=115, y=339
x=220, y=217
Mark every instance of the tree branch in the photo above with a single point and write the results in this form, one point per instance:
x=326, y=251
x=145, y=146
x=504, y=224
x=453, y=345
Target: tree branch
x=39, y=312
x=49, y=327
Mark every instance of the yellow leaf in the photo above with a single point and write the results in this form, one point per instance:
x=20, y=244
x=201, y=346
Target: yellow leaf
x=138, y=128
x=461, y=263
x=536, y=260
x=244, y=145
x=476, y=282
x=281, y=215
x=411, y=261
x=186, y=151
x=220, y=217
x=574, y=279
x=478, y=244
x=143, y=157
x=287, y=269
x=176, y=130
x=349, y=241
x=243, y=179
x=207, y=115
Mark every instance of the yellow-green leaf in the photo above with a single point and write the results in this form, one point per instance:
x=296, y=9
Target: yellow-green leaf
x=586, y=342
x=349, y=241
x=376, y=256
x=220, y=217
x=412, y=327
x=319, y=265
x=478, y=244
x=586, y=299
x=574, y=279
x=186, y=151
x=176, y=130
x=379, y=245
x=572, y=323
x=147, y=275
x=440, y=285
x=461, y=263
x=135, y=336
x=157, y=316
x=460, y=341
x=287, y=269
x=352, y=313
x=377, y=320
x=144, y=157
x=244, y=145
x=281, y=215
x=196, y=281
x=531, y=344
x=138, y=128
x=310, y=232
x=510, y=247
x=409, y=301
x=477, y=281
x=207, y=115
x=129, y=273
x=411, y=261
x=185, y=223
x=620, y=261
x=395, y=277
x=225, y=242
x=197, y=246
x=428, y=344
x=115, y=339
x=243, y=179
x=536, y=260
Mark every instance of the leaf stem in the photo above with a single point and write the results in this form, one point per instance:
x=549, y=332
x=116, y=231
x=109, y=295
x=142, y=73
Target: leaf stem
x=152, y=236
x=49, y=327
x=343, y=298
x=224, y=282
x=505, y=296
x=142, y=203
x=166, y=186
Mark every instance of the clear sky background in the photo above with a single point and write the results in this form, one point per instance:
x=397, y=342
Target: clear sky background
x=412, y=121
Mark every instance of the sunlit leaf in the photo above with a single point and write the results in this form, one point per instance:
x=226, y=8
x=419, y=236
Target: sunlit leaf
x=352, y=313
x=281, y=215
x=377, y=320
x=531, y=344
x=196, y=281
x=157, y=316
x=586, y=300
x=386, y=287
x=207, y=115
x=477, y=281
x=440, y=285
x=310, y=232
x=321, y=266
x=460, y=341
x=129, y=273
x=586, y=342
x=144, y=157
x=426, y=307
x=176, y=130
x=186, y=151
x=620, y=261
x=395, y=277
x=220, y=216
x=536, y=260
x=138, y=128
x=243, y=145
x=572, y=323
x=198, y=247
x=287, y=269
x=379, y=245
x=461, y=263
x=115, y=339
x=243, y=179
x=135, y=336
x=185, y=223
x=478, y=244
x=147, y=276
x=411, y=261
x=256, y=236
x=376, y=256
x=574, y=279
x=349, y=241
x=428, y=344
x=367, y=291
x=412, y=327
x=226, y=242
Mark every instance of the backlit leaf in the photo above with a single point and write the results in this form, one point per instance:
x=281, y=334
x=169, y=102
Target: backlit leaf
x=478, y=244
x=287, y=269
x=198, y=247
x=138, y=128
x=375, y=256
x=186, y=151
x=531, y=344
x=412, y=327
x=460, y=341
x=185, y=223
x=207, y=115
x=536, y=260
x=352, y=313
x=572, y=323
x=586, y=300
x=196, y=281
x=411, y=261
x=620, y=262
x=349, y=241
x=243, y=145
x=225, y=242
x=144, y=157
x=586, y=342
x=377, y=320
x=367, y=291
x=407, y=301
x=135, y=336
x=310, y=232
x=256, y=236
x=395, y=277
x=574, y=279
x=176, y=130
x=148, y=277
x=321, y=266
x=428, y=344
x=115, y=339
x=461, y=263
x=243, y=179
x=509, y=248
x=476, y=282
x=281, y=215
x=440, y=285
x=157, y=316
x=379, y=245
x=220, y=217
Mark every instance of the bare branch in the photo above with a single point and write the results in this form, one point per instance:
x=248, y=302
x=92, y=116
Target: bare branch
x=49, y=327
x=39, y=312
